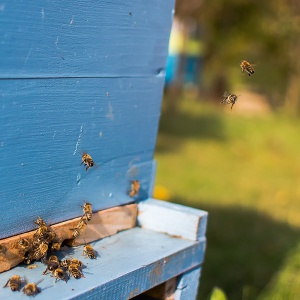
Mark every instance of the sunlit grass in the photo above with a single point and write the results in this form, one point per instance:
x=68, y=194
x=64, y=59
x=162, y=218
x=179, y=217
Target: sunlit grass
x=224, y=162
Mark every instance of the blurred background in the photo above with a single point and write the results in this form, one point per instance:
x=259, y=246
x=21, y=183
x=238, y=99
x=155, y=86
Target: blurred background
x=240, y=165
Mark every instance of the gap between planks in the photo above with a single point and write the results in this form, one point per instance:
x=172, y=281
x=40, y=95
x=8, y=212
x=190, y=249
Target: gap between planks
x=104, y=223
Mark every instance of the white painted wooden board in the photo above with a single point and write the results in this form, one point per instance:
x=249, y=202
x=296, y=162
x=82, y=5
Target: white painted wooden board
x=173, y=219
x=128, y=264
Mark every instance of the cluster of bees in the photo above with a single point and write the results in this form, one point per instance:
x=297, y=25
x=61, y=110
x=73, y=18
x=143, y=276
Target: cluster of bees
x=232, y=98
x=45, y=241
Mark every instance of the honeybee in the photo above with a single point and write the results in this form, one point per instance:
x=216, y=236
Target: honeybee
x=229, y=99
x=89, y=251
x=87, y=161
x=14, y=283
x=52, y=264
x=55, y=246
x=60, y=274
x=40, y=251
x=135, y=187
x=246, y=66
x=40, y=222
x=66, y=262
x=79, y=228
x=23, y=245
x=31, y=289
x=74, y=271
x=87, y=210
x=41, y=234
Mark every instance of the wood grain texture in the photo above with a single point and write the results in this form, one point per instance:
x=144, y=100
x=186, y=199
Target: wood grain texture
x=187, y=287
x=173, y=219
x=103, y=224
x=128, y=264
x=110, y=38
x=47, y=124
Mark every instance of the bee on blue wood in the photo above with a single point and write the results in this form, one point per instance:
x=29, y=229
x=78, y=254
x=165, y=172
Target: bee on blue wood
x=31, y=289
x=87, y=161
x=52, y=264
x=14, y=283
x=246, y=66
x=135, y=187
x=87, y=210
x=60, y=274
x=229, y=99
x=89, y=251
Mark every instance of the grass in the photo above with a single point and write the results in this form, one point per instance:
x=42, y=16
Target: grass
x=244, y=171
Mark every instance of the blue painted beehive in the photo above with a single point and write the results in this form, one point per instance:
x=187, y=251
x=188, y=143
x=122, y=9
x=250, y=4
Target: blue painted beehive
x=87, y=77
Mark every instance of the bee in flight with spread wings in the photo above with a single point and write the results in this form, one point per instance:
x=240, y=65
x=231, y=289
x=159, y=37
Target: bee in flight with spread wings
x=229, y=99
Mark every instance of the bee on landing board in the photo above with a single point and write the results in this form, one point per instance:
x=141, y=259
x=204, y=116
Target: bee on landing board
x=74, y=271
x=89, y=251
x=229, y=99
x=31, y=289
x=52, y=264
x=14, y=283
x=135, y=187
x=60, y=274
x=246, y=66
x=87, y=161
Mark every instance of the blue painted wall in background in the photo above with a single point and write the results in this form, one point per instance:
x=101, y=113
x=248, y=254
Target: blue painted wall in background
x=73, y=78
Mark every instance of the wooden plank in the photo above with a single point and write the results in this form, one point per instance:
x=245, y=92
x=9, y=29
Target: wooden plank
x=128, y=264
x=173, y=219
x=164, y=291
x=188, y=284
x=103, y=224
x=110, y=38
x=46, y=124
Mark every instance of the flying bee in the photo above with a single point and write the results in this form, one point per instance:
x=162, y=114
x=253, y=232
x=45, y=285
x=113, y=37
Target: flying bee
x=79, y=228
x=246, y=66
x=60, y=274
x=87, y=161
x=40, y=251
x=229, y=99
x=31, y=289
x=135, y=187
x=89, y=251
x=87, y=210
x=75, y=271
x=52, y=264
x=14, y=283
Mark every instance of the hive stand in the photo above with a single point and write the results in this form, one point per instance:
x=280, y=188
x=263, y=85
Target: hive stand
x=87, y=77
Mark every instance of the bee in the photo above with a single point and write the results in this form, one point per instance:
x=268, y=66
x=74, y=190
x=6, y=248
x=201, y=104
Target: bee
x=23, y=245
x=55, y=246
x=89, y=251
x=87, y=161
x=40, y=251
x=74, y=271
x=79, y=228
x=60, y=274
x=229, y=99
x=87, y=210
x=14, y=283
x=66, y=262
x=52, y=264
x=40, y=222
x=41, y=234
x=246, y=66
x=135, y=187
x=31, y=289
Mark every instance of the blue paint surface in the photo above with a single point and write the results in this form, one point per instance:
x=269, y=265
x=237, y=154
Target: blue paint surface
x=128, y=264
x=83, y=76
x=83, y=38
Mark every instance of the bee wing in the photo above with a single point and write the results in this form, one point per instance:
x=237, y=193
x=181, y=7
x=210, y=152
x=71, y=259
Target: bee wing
x=226, y=94
x=38, y=282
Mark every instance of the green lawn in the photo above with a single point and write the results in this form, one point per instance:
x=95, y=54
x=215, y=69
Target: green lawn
x=245, y=172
